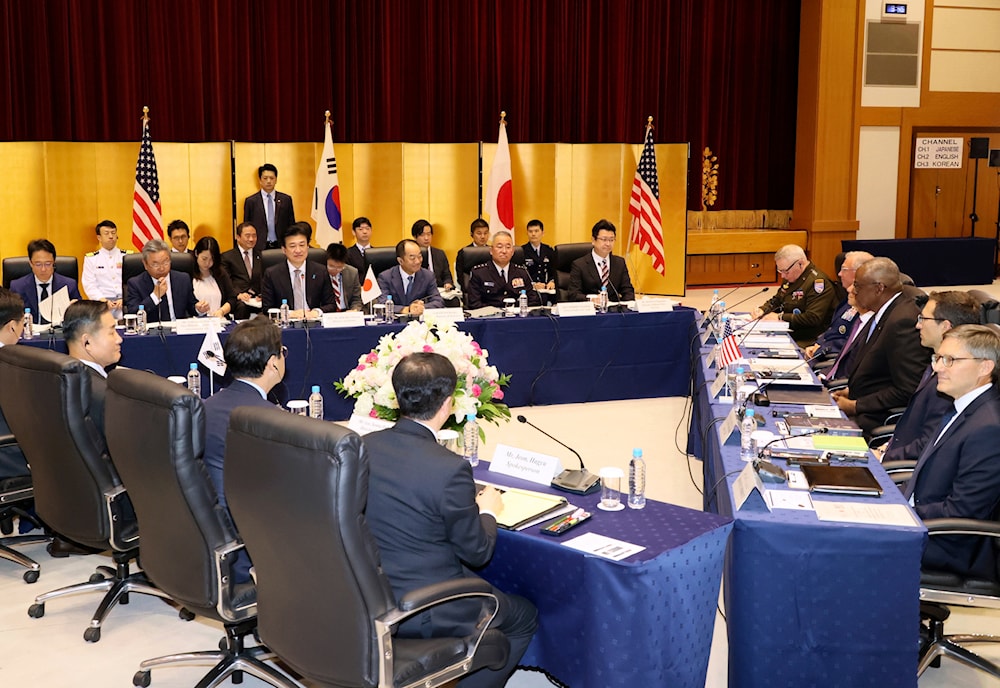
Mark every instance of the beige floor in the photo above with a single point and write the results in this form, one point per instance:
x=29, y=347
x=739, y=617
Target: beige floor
x=51, y=651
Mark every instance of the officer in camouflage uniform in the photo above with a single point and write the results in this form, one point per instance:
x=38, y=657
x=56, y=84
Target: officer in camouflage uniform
x=805, y=299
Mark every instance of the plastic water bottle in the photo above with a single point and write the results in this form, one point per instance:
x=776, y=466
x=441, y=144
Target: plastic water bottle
x=739, y=394
x=522, y=303
x=713, y=310
x=316, y=403
x=283, y=318
x=470, y=440
x=603, y=300
x=29, y=331
x=194, y=380
x=637, y=480
x=747, y=427
x=141, y=325
x=390, y=311
x=720, y=331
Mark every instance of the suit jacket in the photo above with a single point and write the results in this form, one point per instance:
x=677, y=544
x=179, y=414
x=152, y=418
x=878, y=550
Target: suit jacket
x=218, y=408
x=12, y=461
x=584, y=279
x=540, y=264
x=833, y=340
x=25, y=286
x=356, y=259
x=232, y=261
x=139, y=291
x=889, y=366
x=352, y=288
x=920, y=422
x=277, y=285
x=441, y=268
x=424, y=288
x=255, y=213
x=422, y=509
x=487, y=289
x=98, y=392
x=959, y=477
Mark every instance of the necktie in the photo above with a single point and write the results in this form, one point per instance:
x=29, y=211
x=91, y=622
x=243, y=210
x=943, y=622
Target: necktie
x=336, y=292
x=45, y=295
x=247, y=263
x=409, y=288
x=271, y=235
x=604, y=272
x=847, y=347
x=503, y=275
x=298, y=292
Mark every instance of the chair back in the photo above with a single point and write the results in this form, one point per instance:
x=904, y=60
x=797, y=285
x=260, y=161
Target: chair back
x=47, y=400
x=270, y=257
x=989, y=308
x=565, y=255
x=132, y=265
x=297, y=487
x=381, y=258
x=19, y=266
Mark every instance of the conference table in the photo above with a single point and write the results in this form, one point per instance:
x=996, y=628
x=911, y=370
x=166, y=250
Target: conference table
x=808, y=602
x=551, y=360
x=646, y=620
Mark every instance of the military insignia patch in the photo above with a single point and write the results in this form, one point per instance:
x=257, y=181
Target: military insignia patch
x=842, y=329
x=819, y=285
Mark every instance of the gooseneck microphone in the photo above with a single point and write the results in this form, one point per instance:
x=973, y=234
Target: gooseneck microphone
x=579, y=481
x=753, y=295
x=817, y=431
x=771, y=473
x=738, y=287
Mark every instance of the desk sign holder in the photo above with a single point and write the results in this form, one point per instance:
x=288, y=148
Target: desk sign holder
x=366, y=424
x=713, y=357
x=444, y=315
x=195, y=325
x=524, y=464
x=573, y=309
x=344, y=319
x=653, y=304
x=745, y=485
x=730, y=425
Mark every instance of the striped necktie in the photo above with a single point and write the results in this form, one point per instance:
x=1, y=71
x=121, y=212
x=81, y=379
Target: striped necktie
x=298, y=291
x=604, y=272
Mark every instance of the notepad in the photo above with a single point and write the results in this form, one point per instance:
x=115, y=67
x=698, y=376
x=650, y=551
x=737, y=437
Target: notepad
x=523, y=507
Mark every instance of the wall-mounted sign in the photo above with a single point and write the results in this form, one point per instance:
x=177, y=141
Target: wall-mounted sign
x=938, y=153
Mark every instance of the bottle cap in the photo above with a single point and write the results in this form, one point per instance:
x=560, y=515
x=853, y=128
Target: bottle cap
x=315, y=389
x=749, y=413
x=284, y=302
x=27, y=310
x=471, y=416
x=194, y=366
x=524, y=292
x=142, y=307
x=637, y=453
x=740, y=370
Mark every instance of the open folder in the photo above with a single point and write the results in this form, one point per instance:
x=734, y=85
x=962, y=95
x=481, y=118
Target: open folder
x=524, y=507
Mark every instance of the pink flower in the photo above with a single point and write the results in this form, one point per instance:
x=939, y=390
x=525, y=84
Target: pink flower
x=428, y=348
x=477, y=348
x=372, y=357
x=476, y=390
x=373, y=413
x=361, y=366
x=498, y=393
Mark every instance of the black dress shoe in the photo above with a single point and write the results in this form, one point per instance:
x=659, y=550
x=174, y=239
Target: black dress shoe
x=60, y=548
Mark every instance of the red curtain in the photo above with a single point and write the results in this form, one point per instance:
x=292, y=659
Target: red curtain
x=716, y=73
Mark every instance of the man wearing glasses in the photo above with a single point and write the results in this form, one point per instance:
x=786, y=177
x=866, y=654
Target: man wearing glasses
x=805, y=299
x=600, y=269
x=891, y=361
x=163, y=293
x=958, y=473
x=43, y=281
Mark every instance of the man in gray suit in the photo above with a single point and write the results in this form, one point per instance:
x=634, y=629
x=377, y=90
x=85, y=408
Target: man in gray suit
x=413, y=288
x=344, y=278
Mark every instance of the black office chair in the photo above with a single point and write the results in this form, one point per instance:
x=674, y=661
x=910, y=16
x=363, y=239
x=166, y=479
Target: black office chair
x=297, y=487
x=46, y=398
x=565, y=255
x=270, y=257
x=20, y=266
x=380, y=258
x=156, y=431
x=132, y=266
x=15, y=493
x=989, y=308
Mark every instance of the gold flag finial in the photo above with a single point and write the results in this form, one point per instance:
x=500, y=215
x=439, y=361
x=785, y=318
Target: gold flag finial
x=503, y=117
x=145, y=114
x=326, y=116
x=649, y=123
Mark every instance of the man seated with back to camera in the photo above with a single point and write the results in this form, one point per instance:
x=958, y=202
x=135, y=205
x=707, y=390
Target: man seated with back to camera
x=498, y=279
x=589, y=273
x=12, y=461
x=427, y=518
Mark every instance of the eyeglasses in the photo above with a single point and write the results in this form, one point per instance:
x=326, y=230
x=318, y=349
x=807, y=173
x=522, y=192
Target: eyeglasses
x=862, y=285
x=782, y=271
x=921, y=318
x=947, y=361
x=43, y=266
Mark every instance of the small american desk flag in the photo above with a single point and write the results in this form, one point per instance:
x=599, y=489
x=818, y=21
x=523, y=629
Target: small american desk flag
x=647, y=230
x=147, y=220
x=729, y=352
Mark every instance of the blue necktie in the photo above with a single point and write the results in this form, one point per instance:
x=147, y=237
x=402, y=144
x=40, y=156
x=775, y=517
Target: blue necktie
x=409, y=288
x=271, y=235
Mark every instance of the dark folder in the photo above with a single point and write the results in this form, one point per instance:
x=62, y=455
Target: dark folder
x=853, y=480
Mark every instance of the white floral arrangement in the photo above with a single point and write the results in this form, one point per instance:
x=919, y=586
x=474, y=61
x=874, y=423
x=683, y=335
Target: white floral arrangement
x=478, y=390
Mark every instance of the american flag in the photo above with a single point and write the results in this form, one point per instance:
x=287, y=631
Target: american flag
x=729, y=352
x=147, y=221
x=647, y=232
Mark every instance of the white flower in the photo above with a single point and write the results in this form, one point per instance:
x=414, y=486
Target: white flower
x=364, y=405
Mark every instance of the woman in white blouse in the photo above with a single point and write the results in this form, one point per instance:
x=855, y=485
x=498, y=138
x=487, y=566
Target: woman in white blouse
x=212, y=286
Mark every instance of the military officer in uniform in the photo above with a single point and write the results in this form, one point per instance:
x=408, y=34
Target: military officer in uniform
x=493, y=281
x=805, y=299
x=102, y=269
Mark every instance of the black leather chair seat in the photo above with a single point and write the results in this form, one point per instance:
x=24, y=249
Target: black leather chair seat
x=952, y=582
x=418, y=657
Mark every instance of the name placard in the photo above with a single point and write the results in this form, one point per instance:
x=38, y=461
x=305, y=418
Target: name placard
x=525, y=464
x=746, y=484
x=344, y=319
x=718, y=383
x=730, y=424
x=573, y=309
x=366, y=424
x=651, y=304
x=444, y=315
x=196, y=325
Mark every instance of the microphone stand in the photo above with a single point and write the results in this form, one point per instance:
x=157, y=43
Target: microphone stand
x=738, y=287
x=579, y=481
x=768, y=471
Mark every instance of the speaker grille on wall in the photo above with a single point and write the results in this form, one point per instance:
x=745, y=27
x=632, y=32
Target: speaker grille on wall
x=892, y=54
x=979, y=148
x=995, y=157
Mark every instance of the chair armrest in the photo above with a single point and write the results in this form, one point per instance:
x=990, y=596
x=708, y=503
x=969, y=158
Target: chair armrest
x=8, y=441
x=894, y=414
x=881, y=435
x=439, y=592
x=899, y=471
x=962, y=526
x=834, y=385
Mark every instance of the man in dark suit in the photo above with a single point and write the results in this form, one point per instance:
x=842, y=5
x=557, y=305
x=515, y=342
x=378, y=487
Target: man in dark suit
x=43, y=281
x=91, y=337
x=270, y=211
x=437, y=261
x=256, y=360
x=958, y=472
x=362, y=229
x=412, y=287
x=589, y=273
x=499, y=279
x=539, y=258
x=448, y=526
x=479, y=230
x=179, y=235
x=313, y=294
x=941, y=312
x=245, y=268
x=12, y=461
x=164, y=294
x=891, y=360
x=344, y=279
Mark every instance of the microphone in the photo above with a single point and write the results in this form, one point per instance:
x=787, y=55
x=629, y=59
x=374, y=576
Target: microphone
x=771, y=473
x=755, y=294
x=784, y=375
x=817, y=431
x=579, y=481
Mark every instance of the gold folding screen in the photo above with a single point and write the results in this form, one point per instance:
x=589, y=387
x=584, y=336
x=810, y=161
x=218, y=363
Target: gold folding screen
x=60, y=190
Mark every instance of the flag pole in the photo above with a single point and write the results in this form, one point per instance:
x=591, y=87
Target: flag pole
x=145, y=115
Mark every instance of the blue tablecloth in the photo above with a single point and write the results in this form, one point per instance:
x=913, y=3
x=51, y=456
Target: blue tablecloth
x=644, y=621
x=551, y=360
x=810, y=603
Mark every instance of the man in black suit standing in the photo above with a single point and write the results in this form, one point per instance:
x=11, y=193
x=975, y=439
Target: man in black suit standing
x=270, y=211
x=256, y=360
x=589, y=273
x=539, y=258
x=245, y=268
x=437, y=261
x=362, y=228
x=179, y=235
x=304, y=284
x=427, y=518
x=164, y=294
x=891, y=361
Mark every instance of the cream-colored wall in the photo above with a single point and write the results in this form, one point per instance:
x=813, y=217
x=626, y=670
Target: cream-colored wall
x=965, y=47
x=878, y=158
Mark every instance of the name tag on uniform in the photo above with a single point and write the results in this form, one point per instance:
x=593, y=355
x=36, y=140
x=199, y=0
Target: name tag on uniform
x=489, y=284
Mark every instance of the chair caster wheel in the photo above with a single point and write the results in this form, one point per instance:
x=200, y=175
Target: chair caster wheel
x=92, y=635
x=30, y=576
x=36, y=611
x=186, y=614
x=141, y=679
x=96, y=578
x=223, y=644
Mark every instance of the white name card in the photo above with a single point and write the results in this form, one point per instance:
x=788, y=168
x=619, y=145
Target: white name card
x=731, y=423
x=344, y=319
x=651, y=304
x=713, y=357
x=573, y=309
x=444, y=315
x=718, y=383
x=746, y=484
x=524, y=464
x=196, y=325
x=366, y=424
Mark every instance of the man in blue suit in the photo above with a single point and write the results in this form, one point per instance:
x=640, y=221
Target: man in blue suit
x=43, y=281
x=256, y=360
x=298, y=280
x=958, y=472
x=165, y=294
x=413, y=288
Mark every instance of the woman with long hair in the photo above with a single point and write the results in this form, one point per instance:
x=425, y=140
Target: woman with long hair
x=212, y=286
